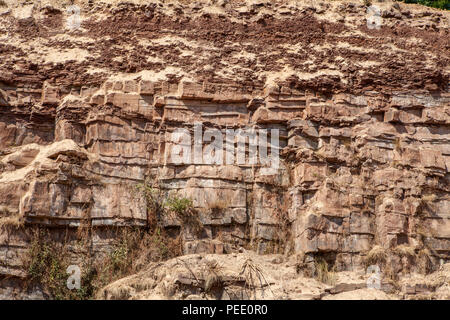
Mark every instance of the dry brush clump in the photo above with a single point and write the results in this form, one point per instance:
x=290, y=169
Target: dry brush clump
x=376, y=256
x=404, y=251
x=424, y=261
x=254, y=278
x=154, y=198
x=135, y=247
x=323, y=272
x=403, y=258
x=10, y=219
x=220, y=204
x=132, y=249
x=213, y=275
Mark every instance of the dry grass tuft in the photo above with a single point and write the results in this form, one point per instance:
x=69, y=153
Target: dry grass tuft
x=132, y=250
x=405, y=251
x=15, y=221
x=377, y=255
x=424, y=261
x=219, y=204
x=429, y=197
x=323, y=274
x=10, y=219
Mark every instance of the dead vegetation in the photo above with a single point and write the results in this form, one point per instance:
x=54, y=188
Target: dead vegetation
x=154, y=197
x=424, y=261
x=403, y=258
x=133, y=248
x=429, y=197
x=323, y=272
x=14, y=221
x=47, y=262
x=220, y=204
x=376, y=256
x=213, y=276
x=254, y=278
x=404, y=251
x=10, y=219
x=282, y=241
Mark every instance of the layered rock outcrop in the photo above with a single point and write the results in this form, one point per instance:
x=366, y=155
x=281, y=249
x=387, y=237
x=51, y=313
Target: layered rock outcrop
x=212, y=276
x=363, y=116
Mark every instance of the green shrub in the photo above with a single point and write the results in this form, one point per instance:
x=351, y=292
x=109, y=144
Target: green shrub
x=179, y=205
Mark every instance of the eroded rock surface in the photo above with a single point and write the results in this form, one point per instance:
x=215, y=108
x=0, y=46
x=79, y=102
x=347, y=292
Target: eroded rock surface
x=212, y=276
x=363, y=116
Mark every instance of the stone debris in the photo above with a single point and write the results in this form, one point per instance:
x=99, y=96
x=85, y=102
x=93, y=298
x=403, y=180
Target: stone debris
x=185, y=278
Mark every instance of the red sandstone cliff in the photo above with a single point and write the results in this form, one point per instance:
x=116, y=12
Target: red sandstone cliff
x=86, y=113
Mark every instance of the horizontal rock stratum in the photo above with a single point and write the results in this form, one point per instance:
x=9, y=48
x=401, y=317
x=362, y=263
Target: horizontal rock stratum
x=90, y=99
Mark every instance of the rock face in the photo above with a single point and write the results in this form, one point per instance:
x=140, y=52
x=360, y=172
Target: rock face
x=363, y=116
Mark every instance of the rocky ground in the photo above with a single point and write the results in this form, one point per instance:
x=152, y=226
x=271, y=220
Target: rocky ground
x=247, y=275
x=90, y=96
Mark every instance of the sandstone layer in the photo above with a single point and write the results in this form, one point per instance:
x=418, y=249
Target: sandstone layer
x=87, y=113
